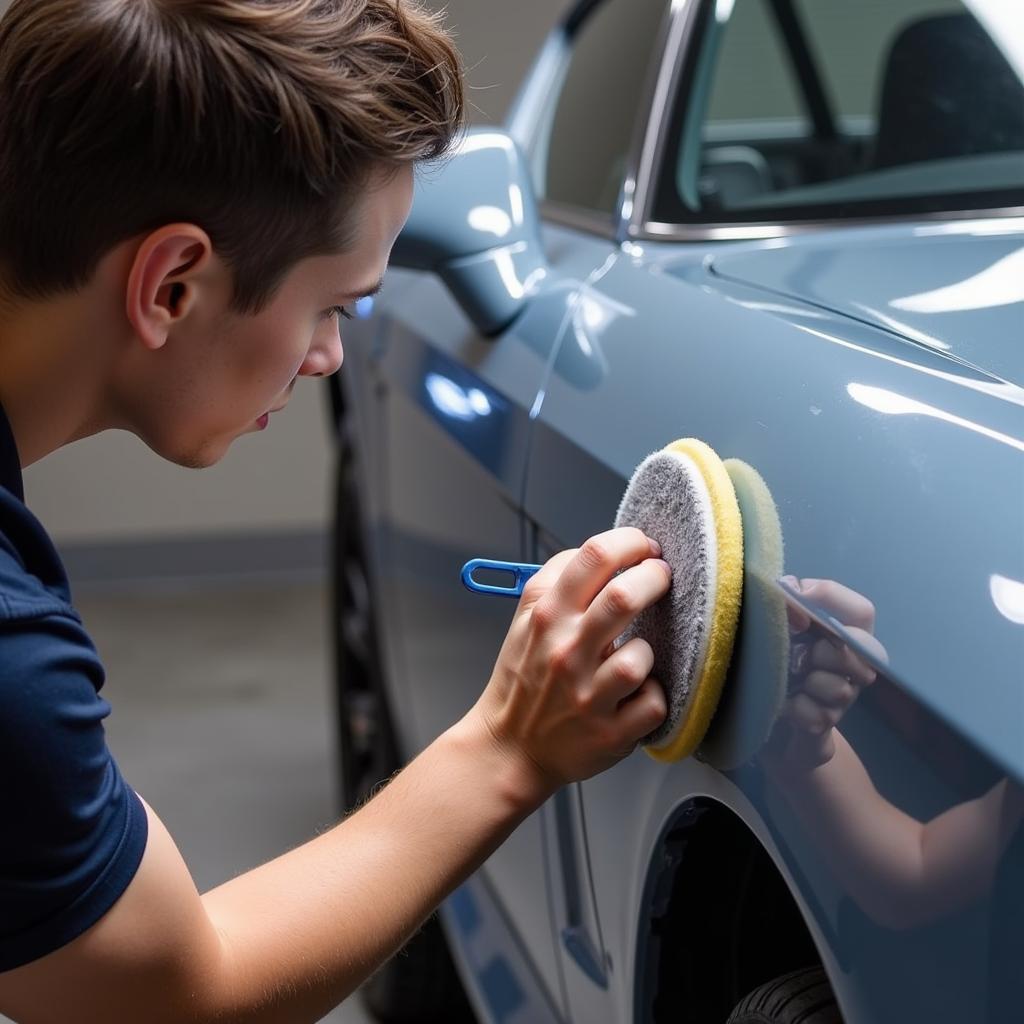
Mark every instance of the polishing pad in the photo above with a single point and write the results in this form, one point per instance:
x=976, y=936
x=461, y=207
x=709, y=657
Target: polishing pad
x=753, y=700
x=683, y=498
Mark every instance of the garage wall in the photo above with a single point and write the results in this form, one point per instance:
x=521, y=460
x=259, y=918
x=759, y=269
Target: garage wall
x=110, y=490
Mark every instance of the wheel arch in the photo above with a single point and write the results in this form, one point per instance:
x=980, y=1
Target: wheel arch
x=718, y=918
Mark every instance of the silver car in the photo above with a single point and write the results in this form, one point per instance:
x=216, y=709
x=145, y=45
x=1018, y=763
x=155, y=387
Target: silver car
x=795, y=230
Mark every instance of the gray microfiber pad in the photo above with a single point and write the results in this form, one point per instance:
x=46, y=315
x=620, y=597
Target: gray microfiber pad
x=668, y=499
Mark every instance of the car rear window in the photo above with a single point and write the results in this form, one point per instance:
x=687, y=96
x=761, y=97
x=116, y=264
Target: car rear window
x=817, y=109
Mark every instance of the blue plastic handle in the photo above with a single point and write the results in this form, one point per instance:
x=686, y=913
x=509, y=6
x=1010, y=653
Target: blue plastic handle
x=521, y=571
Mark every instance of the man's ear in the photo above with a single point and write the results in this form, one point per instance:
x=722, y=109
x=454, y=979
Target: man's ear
x=166, y=277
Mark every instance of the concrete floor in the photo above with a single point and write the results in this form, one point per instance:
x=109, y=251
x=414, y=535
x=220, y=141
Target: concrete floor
x=222, y=717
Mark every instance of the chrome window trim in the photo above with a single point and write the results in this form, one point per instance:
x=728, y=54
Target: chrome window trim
x=682, y=21
x=655, y=231
x=637, y=227
x=632, y=194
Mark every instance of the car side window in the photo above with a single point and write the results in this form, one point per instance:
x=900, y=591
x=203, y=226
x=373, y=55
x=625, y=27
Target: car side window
x=818, y=109
x=599, y=106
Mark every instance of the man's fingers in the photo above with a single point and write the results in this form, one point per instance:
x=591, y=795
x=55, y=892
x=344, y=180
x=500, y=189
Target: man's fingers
x=642, y=712
x=543, y=580
x=624, y=598
x=597, y=561
x=624, y=672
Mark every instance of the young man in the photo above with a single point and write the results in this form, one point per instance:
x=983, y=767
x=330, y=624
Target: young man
x=191, y=191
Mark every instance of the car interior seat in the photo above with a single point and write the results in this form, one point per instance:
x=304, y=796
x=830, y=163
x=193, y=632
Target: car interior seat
x=947, y=91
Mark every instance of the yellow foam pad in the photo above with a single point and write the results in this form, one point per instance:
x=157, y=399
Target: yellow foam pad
x=707, y=687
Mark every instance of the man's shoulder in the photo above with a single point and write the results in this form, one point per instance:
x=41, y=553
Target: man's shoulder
x=32, y=578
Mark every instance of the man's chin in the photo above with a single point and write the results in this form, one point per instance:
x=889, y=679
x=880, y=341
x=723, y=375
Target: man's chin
x=201, y=460
x=195, y=458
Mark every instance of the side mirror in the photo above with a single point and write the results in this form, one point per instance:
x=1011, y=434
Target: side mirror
x=474, y=222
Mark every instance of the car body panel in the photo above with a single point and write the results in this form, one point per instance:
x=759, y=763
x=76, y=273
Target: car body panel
x=690, y=355
x=944, y=436
x=959, y=288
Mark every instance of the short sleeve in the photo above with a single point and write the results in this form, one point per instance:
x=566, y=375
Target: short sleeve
x=72, y=833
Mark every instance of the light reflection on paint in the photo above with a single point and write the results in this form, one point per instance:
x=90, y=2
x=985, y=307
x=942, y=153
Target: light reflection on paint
x=778, y=307
x=534, y=279
x=895, y=404
x=1001, y=284
x=478, y=402
x=998, y=389
x=1008, y=597
x=538, y=404
x=490, y=219
x=596, y=311
x=723, y=10
x=456, y=402
x=591, y=317
x=515, y=204
x=628, y=198
x=975, y=228
x=506, y=267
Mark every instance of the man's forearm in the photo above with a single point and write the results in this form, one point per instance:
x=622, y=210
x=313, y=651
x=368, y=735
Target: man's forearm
x=302, y=932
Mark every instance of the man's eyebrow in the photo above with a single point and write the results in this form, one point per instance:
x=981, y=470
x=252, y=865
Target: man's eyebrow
x=374, y=290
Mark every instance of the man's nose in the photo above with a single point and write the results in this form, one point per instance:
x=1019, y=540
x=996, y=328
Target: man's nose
x=325, y=357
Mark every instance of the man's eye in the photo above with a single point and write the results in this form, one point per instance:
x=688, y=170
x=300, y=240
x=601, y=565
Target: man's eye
x=339, y=312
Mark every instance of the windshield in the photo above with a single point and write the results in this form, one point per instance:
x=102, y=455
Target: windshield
x=816, y=109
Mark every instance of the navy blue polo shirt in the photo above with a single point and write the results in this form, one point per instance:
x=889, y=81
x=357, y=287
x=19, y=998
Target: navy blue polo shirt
x=72, y=833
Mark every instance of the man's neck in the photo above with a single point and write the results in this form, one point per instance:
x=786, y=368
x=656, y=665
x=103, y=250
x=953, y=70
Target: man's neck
x=52, y=371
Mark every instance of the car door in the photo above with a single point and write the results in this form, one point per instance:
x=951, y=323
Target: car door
x=579, y=133
x=454, y=406
x=454, y=409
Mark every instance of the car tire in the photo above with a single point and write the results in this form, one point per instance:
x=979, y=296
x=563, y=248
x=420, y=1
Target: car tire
x=801, y=997
x=419, y=984
x=367, y=751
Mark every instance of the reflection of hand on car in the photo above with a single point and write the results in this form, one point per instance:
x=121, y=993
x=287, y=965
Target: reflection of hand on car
x=901, y=871
x=563, y=702
x=828, y=675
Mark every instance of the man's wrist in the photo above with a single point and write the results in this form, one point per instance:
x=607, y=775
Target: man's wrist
x=520, y=784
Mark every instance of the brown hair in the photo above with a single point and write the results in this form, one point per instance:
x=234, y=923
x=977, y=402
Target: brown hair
x=258, y=120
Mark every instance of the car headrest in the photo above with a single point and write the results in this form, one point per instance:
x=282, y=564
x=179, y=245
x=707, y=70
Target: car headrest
x=947, y=91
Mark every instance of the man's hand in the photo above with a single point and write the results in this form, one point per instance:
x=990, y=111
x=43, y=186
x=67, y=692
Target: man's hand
x=563, y=700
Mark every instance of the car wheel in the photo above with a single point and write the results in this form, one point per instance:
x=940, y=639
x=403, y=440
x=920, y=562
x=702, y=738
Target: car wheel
x=367, y=750
x=801, y=997
x=419, y=983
